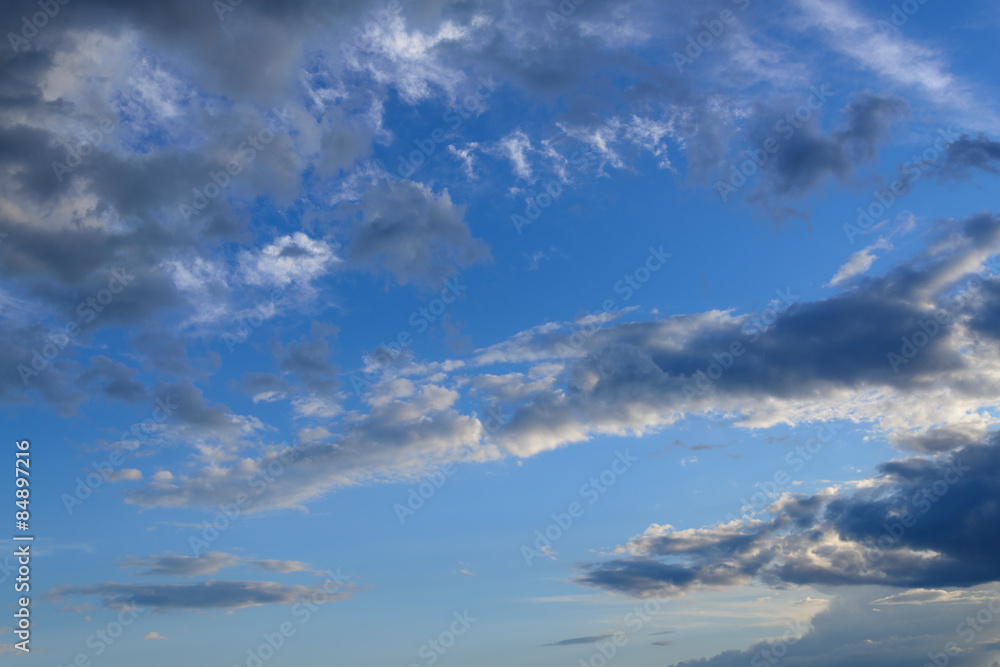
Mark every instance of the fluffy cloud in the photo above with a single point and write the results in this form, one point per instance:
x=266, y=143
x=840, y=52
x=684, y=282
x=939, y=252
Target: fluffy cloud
x=294, y=257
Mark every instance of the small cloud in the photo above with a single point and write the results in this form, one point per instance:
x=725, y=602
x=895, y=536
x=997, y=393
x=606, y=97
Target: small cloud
x=126, y=475
x=859, y=262
x=580, y=640
x=535, y=260
x=155, y=635
x=662, y=643
x=690, y=459
x=284, y=566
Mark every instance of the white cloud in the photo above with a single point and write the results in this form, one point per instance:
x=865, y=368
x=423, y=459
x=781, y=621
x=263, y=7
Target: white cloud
x=291, y=258
x=858, y=263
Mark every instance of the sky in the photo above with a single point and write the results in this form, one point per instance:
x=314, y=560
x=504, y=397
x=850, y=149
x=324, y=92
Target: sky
x=496, y=332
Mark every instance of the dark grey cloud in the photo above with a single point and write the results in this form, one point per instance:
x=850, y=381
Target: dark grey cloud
x=203, y=595
x=968, y=154
x=923, y=523
x=804, y=360
x=113, y=379
x=308, y=359
x=416, y=236
x=809, y=157
x=580, y=640
x=637, y=373
x=942, y=439
x=193, y=413
x=266, y=385
x=157, y=348
x=26, y=370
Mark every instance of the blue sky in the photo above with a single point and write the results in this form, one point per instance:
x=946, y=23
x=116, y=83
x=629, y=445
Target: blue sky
x=440, y=332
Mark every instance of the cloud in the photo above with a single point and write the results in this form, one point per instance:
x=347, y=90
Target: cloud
x=155, y=635
x=858, y=263
x=113, y=379
x=125, y=475
x=284, y=566
x=398, y=439
x=966, y=154
x=515, y=147
x=892, y=55
x=852, y=631
x=308, y=359
x=580, y=640
x=291, y=258
x=203, y=595
x=807, y=158
x=799, y=362
x=170, y=565
x=417, y=236
x=923, y=523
